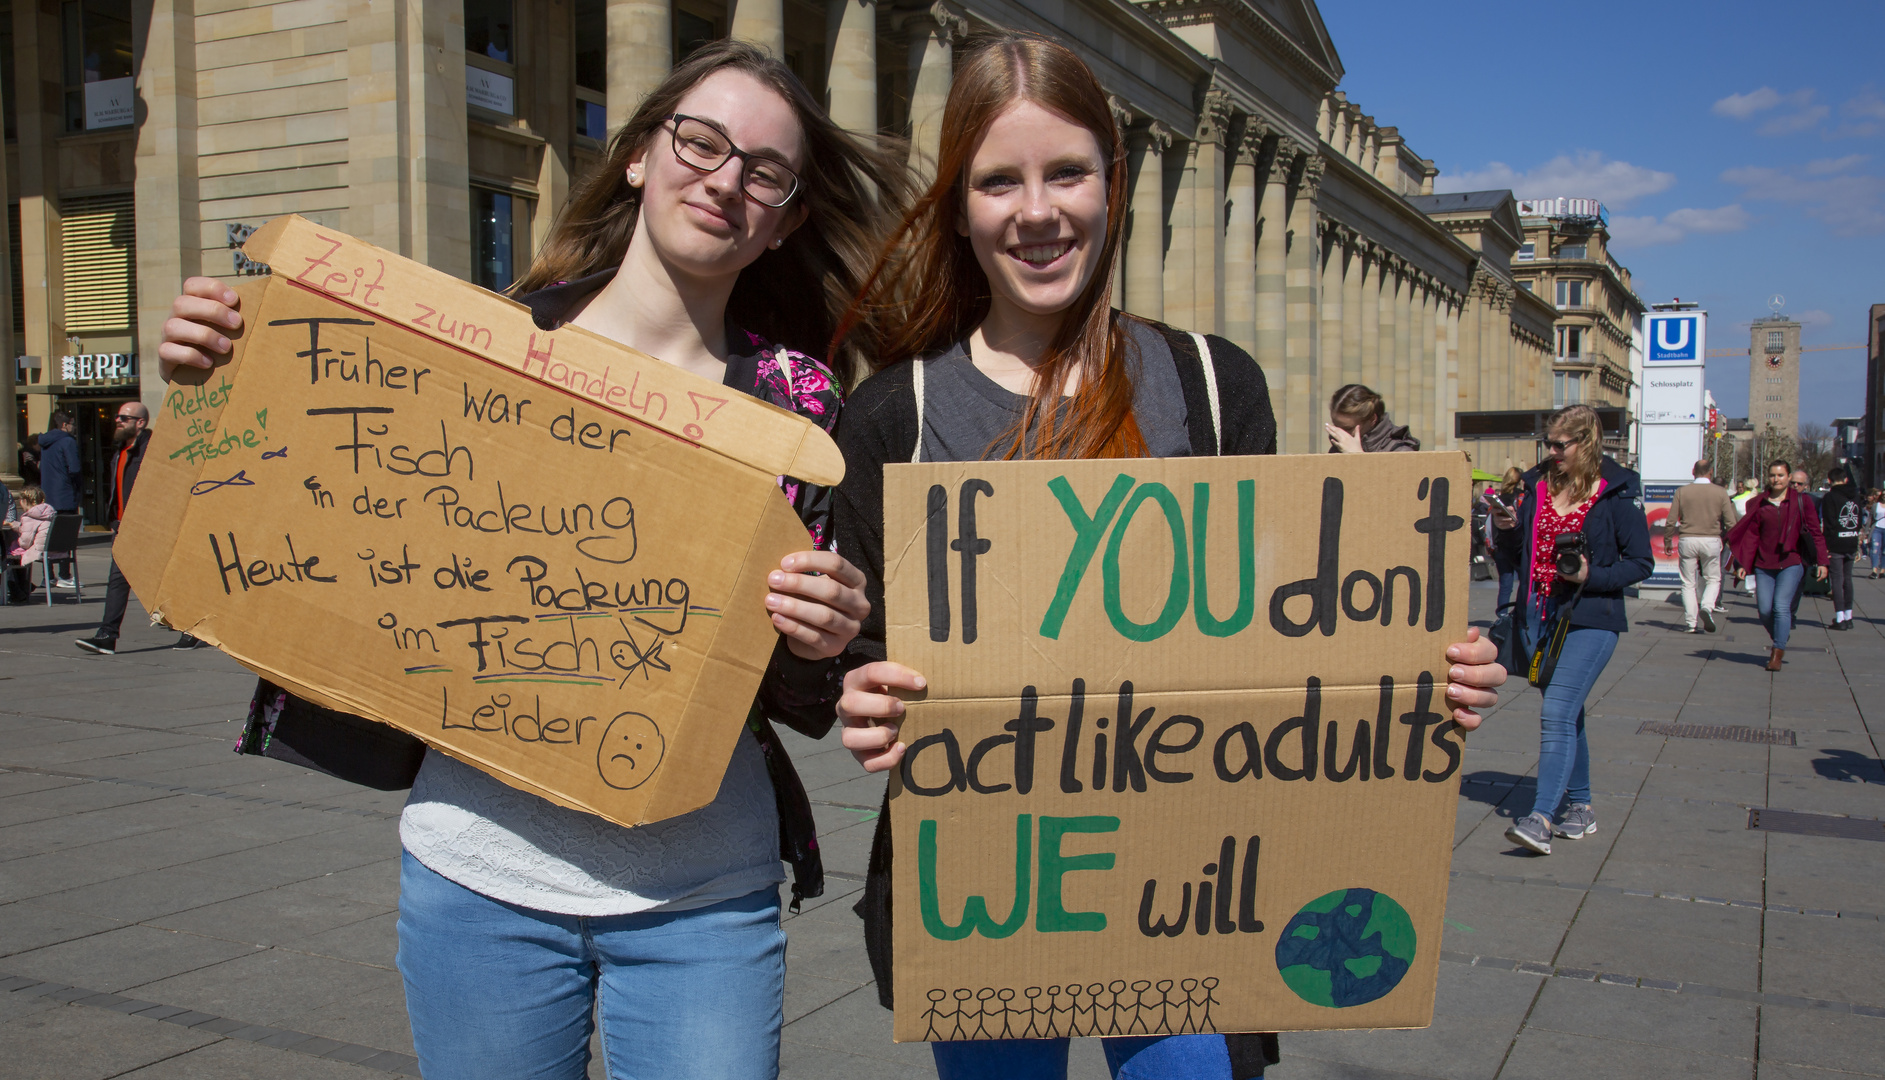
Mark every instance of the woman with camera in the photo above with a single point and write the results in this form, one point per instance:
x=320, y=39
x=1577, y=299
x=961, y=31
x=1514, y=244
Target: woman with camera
x=1777, y=536
x=1585, y=540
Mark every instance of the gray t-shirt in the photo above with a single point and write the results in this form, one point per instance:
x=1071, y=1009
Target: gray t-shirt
x=968, y=416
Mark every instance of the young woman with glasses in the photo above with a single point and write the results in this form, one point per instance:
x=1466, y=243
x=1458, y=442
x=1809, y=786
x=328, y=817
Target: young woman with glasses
x=1005, y=346
x=1575, y=493
x=729, y=215
x=1776, y=538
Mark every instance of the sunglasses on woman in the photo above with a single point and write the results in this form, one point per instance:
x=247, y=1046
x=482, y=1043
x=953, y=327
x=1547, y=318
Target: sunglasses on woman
x=704, y=148
x=1559, y=446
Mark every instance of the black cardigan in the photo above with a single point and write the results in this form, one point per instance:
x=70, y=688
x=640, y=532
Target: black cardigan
x=879, y=427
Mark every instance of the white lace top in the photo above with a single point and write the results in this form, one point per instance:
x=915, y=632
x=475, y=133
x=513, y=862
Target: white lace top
x=516, y=847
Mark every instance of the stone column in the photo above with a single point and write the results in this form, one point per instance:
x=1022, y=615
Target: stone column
x=761, y=22
x=1371, y=316
x=1205, y=176
x=1329, y=354
x=1424, y=353
x=1406, y=386
x=1240, y=240
x=165, y=203
x=641, y=50
x=1467, y=346
x=1454, y=394
x=851, y=64
x=1302, y=321
x=1354, y=275
x=407, y=157
x=1145, y=228
x=1272, y=268
x=932, y=34
x=1392, y=273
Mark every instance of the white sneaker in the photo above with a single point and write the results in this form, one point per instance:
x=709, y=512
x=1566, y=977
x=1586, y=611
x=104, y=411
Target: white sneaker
x=64, y=583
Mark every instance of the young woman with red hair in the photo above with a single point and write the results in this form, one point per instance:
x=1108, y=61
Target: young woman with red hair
x=1004, y=345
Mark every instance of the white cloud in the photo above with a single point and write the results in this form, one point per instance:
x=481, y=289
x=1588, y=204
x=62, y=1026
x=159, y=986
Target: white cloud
x=1804, y=120
x=1828, y=166
x=1742, y=106
x=1864, y=114
x=1814, y=320
x=1804, y=115
x=1587, y=174
x=1849, y=203
x=1678, y=225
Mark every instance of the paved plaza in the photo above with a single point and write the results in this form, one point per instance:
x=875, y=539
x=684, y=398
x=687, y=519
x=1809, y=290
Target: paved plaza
x=169, y=909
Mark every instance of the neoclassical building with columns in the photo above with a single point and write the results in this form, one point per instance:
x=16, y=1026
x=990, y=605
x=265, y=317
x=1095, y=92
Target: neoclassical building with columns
x=1265, y=205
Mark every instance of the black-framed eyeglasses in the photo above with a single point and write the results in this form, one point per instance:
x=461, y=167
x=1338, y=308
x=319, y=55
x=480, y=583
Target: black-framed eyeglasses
x=704, y=148
x=1559, y=446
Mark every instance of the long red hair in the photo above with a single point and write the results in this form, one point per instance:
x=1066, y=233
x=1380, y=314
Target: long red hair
x=928, y=290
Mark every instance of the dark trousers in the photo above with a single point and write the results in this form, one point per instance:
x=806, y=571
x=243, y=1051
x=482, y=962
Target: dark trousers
x=117, y=598
x=1839, y=571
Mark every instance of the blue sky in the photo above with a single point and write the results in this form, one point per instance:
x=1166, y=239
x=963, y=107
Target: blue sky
x=1739, y=147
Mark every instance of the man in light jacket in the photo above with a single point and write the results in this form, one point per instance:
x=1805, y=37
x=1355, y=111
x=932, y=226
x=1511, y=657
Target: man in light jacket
x=1701, y=513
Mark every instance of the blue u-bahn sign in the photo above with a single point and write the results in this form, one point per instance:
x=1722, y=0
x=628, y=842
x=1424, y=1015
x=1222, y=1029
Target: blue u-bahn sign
x=1674, y=339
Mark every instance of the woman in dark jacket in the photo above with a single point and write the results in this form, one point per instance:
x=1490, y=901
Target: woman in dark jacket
x=1508, y=547
x=1777, y=536
x=1575, y=490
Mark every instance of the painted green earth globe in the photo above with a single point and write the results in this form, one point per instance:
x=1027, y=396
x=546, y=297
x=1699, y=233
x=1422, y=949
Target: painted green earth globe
x=1346, y=948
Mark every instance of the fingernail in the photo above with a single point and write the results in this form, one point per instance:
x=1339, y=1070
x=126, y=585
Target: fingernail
x=772, y=601
x=775, y=578
x=1456, y=673
x=921, y=682
x=222, y=344
x=789, y=561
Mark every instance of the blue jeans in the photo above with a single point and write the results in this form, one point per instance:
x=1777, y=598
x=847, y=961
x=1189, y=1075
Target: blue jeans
x=1777, y=595
x=504, y=992
x=1878, y=547
x=1508, y=580
x=1563, y=751
x=1130, y=1057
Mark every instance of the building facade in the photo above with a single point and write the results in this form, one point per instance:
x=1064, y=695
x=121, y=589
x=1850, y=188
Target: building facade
x=1565, y=258
x=1774, y=374
x=1266, y=206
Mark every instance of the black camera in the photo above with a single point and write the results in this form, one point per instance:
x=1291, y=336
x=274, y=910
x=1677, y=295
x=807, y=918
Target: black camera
x=1570, y=550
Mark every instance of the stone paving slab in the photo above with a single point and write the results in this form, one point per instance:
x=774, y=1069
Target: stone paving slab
x=168, y=909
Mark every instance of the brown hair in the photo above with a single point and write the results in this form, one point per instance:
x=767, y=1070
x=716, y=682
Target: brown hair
x=1356, y=402
x=31, y=495
x=929, y=290
x=1509, y=484
x=851, y=192
x=1578, y=476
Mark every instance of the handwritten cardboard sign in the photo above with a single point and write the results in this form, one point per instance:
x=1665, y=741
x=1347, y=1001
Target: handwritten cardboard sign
x=1185, y=762
x=539, y=551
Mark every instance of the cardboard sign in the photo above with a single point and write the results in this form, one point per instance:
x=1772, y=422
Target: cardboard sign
x=539, y=551
x=1185, y=762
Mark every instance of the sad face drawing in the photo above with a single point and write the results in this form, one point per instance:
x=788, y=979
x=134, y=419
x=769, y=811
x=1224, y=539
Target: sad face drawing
x=630, y=751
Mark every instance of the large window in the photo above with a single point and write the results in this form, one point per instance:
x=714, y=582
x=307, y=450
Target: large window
x=1776, y=342
x=97, y=45
x=1570, y=343
x=592, y=69
x=1527, y=252
x=1573, y=294
x=1567, y=388
x=99, y=243
x=500, y=237
x=490, y=56
x=1574, y=251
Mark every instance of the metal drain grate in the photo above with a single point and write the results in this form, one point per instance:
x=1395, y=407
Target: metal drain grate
x=1790, y=821
x=1767, y=736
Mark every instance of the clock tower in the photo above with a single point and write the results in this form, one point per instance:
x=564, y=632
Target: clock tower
x=1774, y=374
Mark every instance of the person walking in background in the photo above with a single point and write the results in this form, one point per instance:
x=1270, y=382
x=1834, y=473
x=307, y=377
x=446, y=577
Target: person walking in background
x=1359, y=424
x=1803, y=483
x=130, y=439
x=1875, y=523
x=1575, y=492
x=1781, y=526
x=1700, y=516
x=1842, y=520
x=62, y=479
x=1508, y=547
